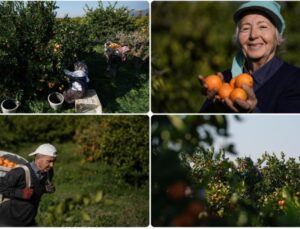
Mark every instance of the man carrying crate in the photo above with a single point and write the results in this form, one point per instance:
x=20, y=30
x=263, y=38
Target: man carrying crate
x=23, y=187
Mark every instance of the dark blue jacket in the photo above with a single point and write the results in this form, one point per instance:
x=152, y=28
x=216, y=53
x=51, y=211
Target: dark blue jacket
x=17, y=211
x=280, y=94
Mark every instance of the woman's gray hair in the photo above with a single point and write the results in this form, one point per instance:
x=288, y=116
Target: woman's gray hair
x=279, y=37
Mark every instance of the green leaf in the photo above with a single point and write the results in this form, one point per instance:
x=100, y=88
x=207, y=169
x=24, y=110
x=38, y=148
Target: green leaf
x=85, y=216
x=98, y=197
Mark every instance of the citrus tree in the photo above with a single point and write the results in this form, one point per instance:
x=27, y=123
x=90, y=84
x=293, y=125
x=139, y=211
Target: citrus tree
x=173, y=137
x=235, y=193
x=122, y=143
x=194, y=185
x=105, y=22
x=24, y=42
x=35, y=46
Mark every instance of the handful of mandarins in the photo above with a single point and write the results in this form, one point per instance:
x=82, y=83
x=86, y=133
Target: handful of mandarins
x=232, y=90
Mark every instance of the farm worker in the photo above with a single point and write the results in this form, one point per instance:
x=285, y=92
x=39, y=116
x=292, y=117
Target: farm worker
x=78, y=82
x=111, y=48
x=20, y=203
x=114, y=53
x=123, y=50
x=276, y=89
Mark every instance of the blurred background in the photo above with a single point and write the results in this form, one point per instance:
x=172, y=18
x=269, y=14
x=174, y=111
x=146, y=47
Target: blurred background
x=192, y=38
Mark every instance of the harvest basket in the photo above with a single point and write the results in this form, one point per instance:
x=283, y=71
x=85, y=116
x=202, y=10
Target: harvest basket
x=11, y=157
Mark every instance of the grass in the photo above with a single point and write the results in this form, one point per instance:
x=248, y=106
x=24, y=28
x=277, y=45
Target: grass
x=39, y=105
x=75, y=179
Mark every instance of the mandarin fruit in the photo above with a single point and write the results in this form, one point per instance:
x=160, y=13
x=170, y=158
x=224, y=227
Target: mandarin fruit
x=232, y=82
x=5, y=161
x=281, y=202
x=10, y=165
x=194, y=208
x=177, y=190
x=225, y=90
x=244, y=78
x=238, y=93
x=51, y=85
x=213, y=82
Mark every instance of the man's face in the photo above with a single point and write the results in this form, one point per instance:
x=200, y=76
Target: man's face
x=45, y=163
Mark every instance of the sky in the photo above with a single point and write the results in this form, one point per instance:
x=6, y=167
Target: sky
x=256, y=134
x=76, y=8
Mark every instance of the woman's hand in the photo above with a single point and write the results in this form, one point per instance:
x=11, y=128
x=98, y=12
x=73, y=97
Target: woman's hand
x=239, y=105
x=243, y=106
x=212, y=95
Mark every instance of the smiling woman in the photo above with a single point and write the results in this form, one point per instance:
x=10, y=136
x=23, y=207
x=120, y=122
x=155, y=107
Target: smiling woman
x=259, y=30
x=258, y=38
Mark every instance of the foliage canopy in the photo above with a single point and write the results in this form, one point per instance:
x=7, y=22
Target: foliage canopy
x=196, y=38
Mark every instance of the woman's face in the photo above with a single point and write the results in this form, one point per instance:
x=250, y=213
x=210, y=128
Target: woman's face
x=257, y=37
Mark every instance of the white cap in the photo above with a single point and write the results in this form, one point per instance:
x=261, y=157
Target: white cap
x=45, y=149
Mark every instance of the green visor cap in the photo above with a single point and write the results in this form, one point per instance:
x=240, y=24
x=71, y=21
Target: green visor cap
x=270, y=8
